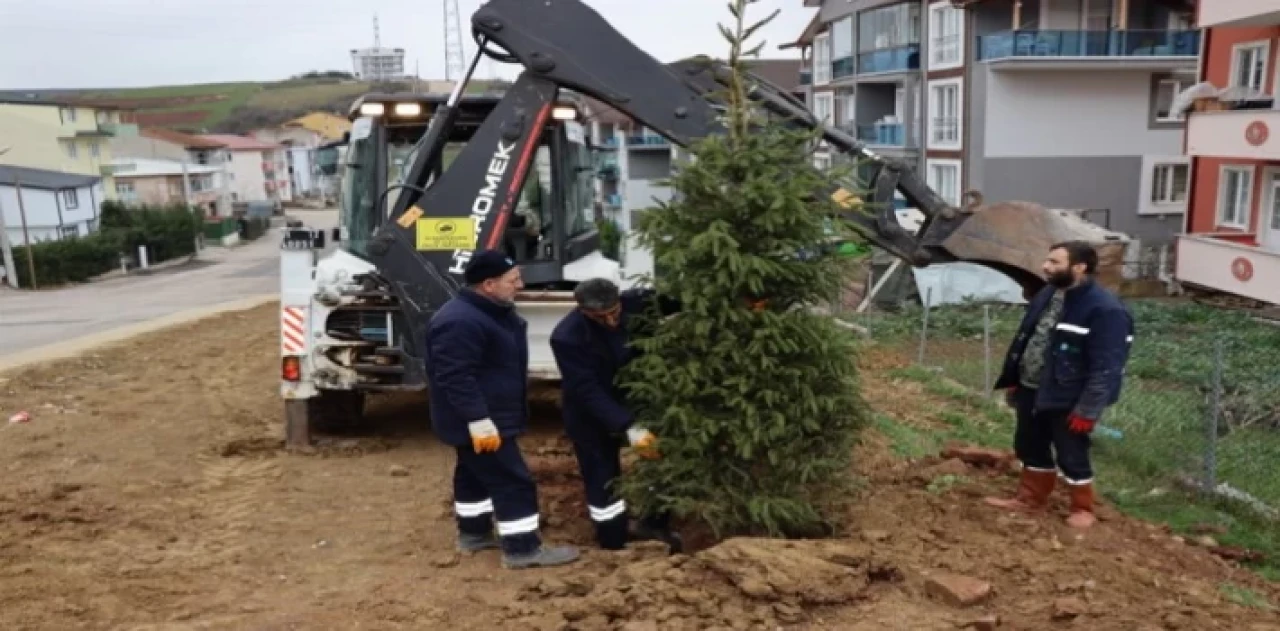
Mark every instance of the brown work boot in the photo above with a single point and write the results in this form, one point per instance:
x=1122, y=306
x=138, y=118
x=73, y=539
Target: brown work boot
x=1081, y=506
x=1033, y=492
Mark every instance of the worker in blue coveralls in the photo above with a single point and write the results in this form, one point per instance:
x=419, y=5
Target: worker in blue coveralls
x=478, y=364
x=1063, y=369
x=591, y=346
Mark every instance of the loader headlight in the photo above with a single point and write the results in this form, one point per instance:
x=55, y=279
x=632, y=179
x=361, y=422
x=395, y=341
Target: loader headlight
x=408, y=109
x=372, y=109
x=564, y=113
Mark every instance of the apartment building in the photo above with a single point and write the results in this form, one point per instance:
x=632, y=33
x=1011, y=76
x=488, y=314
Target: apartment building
x=1061, y=102
x=66, y=137
x=1233, y=225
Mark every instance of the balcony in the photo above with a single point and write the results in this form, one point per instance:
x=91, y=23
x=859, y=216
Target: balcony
x=1243, y=134
x=883, y=134
x=842, y=68
x=648, y=141
x=806, y=76
x=1073, y=49
x=900, y=59
x=1231, y=267
x=1236, y=13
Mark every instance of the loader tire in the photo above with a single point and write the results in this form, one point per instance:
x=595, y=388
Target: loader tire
x=336, y=411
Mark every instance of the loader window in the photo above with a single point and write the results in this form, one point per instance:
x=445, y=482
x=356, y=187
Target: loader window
x=578, y=171
x=360, y=189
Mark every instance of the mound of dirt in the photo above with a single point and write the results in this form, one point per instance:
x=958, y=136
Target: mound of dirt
x=739, y=584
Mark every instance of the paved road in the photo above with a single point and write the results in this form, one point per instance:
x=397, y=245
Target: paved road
x=29, y=320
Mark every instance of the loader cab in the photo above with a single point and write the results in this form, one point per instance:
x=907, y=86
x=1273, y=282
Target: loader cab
x=552, y=223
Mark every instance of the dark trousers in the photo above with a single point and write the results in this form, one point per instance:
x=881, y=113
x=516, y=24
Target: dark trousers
x=600, y=463
x=497, y=484
x=1042, y=441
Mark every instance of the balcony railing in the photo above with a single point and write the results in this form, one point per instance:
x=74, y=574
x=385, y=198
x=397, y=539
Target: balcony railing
x=885, y=134
x=890, y=60
x=1070, y=43
x=806, y=77
x=842, y=68
x=646, y=140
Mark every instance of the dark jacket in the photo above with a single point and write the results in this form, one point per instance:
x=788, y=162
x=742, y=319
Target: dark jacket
x=477, y=367
x=1087, y=350
x=589, y=356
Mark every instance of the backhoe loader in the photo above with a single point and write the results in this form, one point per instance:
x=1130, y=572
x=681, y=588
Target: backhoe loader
x=429, y=180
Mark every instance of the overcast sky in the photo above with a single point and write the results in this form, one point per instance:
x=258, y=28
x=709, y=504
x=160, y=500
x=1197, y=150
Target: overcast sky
x=126, y=43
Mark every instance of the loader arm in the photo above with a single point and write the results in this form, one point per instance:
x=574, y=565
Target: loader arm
x=567, y=44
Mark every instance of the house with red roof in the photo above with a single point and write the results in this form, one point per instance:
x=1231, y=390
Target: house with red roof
x=257, y=170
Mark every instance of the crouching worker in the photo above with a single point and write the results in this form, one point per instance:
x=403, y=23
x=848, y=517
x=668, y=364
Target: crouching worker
x=591, y=347
x=478, y=364
x=1064, y=368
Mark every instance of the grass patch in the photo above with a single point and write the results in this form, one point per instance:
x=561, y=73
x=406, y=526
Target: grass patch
x=1245, y=597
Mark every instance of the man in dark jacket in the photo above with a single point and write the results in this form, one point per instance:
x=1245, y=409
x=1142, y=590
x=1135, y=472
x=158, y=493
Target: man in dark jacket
x=1064, y=368
x=477, y=363
x=591, y=346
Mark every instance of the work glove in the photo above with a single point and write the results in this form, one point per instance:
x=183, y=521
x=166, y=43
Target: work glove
x=484, y=435
x=643, y=441
x=1079, y=424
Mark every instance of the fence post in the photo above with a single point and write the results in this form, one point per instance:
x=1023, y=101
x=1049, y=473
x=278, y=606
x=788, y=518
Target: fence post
x=924, y=326
x=1215, y=410
x=986, y=350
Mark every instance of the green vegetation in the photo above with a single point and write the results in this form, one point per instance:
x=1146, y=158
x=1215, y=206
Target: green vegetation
x=1155, y=443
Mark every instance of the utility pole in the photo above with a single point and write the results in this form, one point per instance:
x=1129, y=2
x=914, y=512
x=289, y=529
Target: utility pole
x=26, y=237
x=10, y=270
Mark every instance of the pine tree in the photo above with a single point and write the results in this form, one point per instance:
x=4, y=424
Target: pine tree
x=754, y=398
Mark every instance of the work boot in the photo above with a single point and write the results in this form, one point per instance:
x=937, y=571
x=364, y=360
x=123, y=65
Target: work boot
x=1034, y=488
x=1081, y=506
x=646, y=532
x=468, y=542
x=542, y=557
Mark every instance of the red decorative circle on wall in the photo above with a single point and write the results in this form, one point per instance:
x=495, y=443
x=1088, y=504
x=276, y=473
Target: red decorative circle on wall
x=1256, y=133
x=1242, y=269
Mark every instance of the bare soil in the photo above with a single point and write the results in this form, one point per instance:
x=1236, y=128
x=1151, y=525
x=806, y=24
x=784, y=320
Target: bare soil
x=150, y=491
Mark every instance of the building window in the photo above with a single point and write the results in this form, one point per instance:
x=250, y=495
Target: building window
x=822, y=59
x=72, y=151
x=944, y=178
x=1235, y=193
x=1249, y=65
x=68, y=232
x=822, y=162
x=944, y=114
x=823, y=107
x=1164, y=90
x=68, y=114
x=70, y=199
x=946, y=36
x=842, y=48
x=1169, y=183
x=95, y=150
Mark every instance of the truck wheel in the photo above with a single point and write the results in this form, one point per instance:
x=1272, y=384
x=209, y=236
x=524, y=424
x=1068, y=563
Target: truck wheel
x=336, y=411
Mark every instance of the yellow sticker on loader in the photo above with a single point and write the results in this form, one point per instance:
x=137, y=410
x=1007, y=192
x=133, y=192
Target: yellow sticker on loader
x=446, y=235
x=845, y=199
x=409, y=216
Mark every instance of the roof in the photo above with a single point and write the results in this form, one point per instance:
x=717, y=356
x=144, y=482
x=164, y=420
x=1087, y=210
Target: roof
x=240, y=143
x=45, y=180
x=187, y=141
x=810, y=31
x=35, y=99
x=784, y=73
x=330, y=126
x=146, y=167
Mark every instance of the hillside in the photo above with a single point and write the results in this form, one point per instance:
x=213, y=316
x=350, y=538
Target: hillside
x=241, y=106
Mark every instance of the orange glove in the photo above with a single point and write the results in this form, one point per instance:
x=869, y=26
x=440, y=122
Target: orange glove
x=644, y=442
x=484, y=436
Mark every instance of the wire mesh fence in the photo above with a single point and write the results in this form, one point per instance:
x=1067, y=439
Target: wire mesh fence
x=1200, y=408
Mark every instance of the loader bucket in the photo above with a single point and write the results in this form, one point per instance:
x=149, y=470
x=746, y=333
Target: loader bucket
x=1015, y=237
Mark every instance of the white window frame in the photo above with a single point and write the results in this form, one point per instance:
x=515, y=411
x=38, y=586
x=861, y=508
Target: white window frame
x=1249, y=172
x=829, y=98
x=938, y=17
x=71, y=199
x=951, y=197
x=1267, y=210
x=1178, y=86
x=1147, y=205
x=1263, y=45
x=934, y=102
x=822, y=59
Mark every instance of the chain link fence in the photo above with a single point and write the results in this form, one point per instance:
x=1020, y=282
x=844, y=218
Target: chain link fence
x=1200, y=408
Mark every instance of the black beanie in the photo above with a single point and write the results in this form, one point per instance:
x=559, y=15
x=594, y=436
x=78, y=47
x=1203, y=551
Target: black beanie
x=485, y=265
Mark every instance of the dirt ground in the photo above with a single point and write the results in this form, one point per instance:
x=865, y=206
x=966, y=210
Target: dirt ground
x=150, y=491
